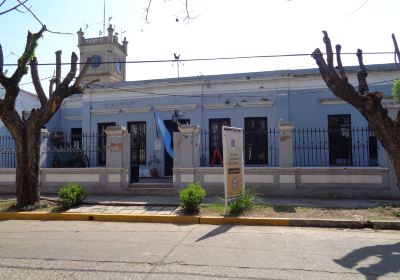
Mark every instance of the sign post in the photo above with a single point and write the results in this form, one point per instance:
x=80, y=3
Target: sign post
x=232, y=144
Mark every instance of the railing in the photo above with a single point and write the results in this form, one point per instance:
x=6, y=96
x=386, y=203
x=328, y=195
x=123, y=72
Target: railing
x=7, y=152
x=60, y=150
x=311, y=147
x=260, y=148
x=355, y=146
x=68, y=150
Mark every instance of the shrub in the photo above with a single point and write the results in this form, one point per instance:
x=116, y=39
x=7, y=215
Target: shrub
x=396, y=213
x=191, y=197
x=71, y=195
x=242, y=204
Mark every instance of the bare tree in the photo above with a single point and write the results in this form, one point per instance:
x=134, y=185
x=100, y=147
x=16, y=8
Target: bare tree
x=26, y=133
x=186, y=18
x=14, y=8
x=368, y=103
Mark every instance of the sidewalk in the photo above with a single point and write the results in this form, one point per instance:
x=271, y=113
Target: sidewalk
x=117, y=200
x=166, y=209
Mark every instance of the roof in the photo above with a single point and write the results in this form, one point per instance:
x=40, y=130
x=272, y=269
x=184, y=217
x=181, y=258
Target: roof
x=246, y=76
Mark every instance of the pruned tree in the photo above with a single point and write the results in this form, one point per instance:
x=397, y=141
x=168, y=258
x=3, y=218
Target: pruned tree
x=369, y=104
x=26, y=132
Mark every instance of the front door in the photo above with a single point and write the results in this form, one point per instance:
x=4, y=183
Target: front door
x=102, y=142
x=138, y=148
x=168, y=160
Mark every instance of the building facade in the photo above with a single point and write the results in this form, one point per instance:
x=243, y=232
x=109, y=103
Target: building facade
x=326, y=131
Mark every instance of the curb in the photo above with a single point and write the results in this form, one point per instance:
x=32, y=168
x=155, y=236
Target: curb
x=321, y=223
x=244, y=221
x=98, y=217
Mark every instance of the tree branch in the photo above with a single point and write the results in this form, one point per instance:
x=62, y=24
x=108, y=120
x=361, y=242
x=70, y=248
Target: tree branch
x=58, y=67
x=340, y=87
x=51, y=86
x=362, y=74
x=329, y=52
x=1, y=61
x=67, y=80
x=31, y=44
x=343, y=75
x=396, y=50
x=13, y=8
x=147, y=11
x=81, y=74
x=36, y=82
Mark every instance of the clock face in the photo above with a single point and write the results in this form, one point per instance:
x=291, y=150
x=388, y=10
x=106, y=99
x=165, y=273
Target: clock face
x=118, y=65
x=95, y=61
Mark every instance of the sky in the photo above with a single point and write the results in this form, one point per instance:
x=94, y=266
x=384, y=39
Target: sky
x=218, y=28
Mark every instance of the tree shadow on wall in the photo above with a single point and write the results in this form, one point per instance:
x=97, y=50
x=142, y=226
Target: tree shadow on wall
x=364, y=260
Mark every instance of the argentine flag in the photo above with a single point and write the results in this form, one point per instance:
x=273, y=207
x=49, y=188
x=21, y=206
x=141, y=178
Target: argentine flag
x=166, y=136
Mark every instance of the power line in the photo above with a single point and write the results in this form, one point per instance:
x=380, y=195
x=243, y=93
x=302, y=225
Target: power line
x=210, y=59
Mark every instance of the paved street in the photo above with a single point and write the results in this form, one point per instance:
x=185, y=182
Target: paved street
x=100, y=250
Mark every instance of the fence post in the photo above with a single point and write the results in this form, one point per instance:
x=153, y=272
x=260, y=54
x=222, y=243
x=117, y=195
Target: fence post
x=186, y=154
x=186, y=146
x=118, y=152
x=285, y=144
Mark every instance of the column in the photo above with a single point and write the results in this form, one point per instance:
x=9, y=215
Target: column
x=285, y=144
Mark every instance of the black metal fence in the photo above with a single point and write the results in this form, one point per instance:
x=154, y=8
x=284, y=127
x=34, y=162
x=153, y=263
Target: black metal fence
x=260, y=148
x=312, y=147
x=355, y=146
x=7, y=152
x=69, y=150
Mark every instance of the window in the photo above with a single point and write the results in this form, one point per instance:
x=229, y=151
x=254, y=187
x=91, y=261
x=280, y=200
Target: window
x=256, y=140
x=102, y=142
x=76, y=138
x=372, y=149
x=339, y=137
x=215, y=143
x=138, y=141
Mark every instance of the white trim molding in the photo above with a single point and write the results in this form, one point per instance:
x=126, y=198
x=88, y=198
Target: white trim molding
x=180, y=107
x=332, y=101
x=120, y=110
x=258, y=104
x=72, y=103
x=73, y=118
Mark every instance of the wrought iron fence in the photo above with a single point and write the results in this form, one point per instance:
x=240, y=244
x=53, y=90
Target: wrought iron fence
x=260, y=148
x=7, y=152
x=74, y=150
x=355, y=146
x=311, y=146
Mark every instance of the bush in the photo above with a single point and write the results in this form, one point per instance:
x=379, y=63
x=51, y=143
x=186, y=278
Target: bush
x=242, y=204
x=71, y=195
x=191, y=197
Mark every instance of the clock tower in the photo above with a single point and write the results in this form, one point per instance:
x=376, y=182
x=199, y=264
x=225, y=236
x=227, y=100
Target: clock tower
x=107, y=55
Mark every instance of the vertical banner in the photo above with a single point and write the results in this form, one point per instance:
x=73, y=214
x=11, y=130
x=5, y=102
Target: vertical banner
x=166, y=136
x=232, y=144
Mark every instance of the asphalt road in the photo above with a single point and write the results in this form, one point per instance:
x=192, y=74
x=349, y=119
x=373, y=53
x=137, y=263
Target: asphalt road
x=100, y=250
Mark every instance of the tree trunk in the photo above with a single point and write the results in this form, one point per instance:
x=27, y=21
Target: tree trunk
x=392, y=147
x=27, y=179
